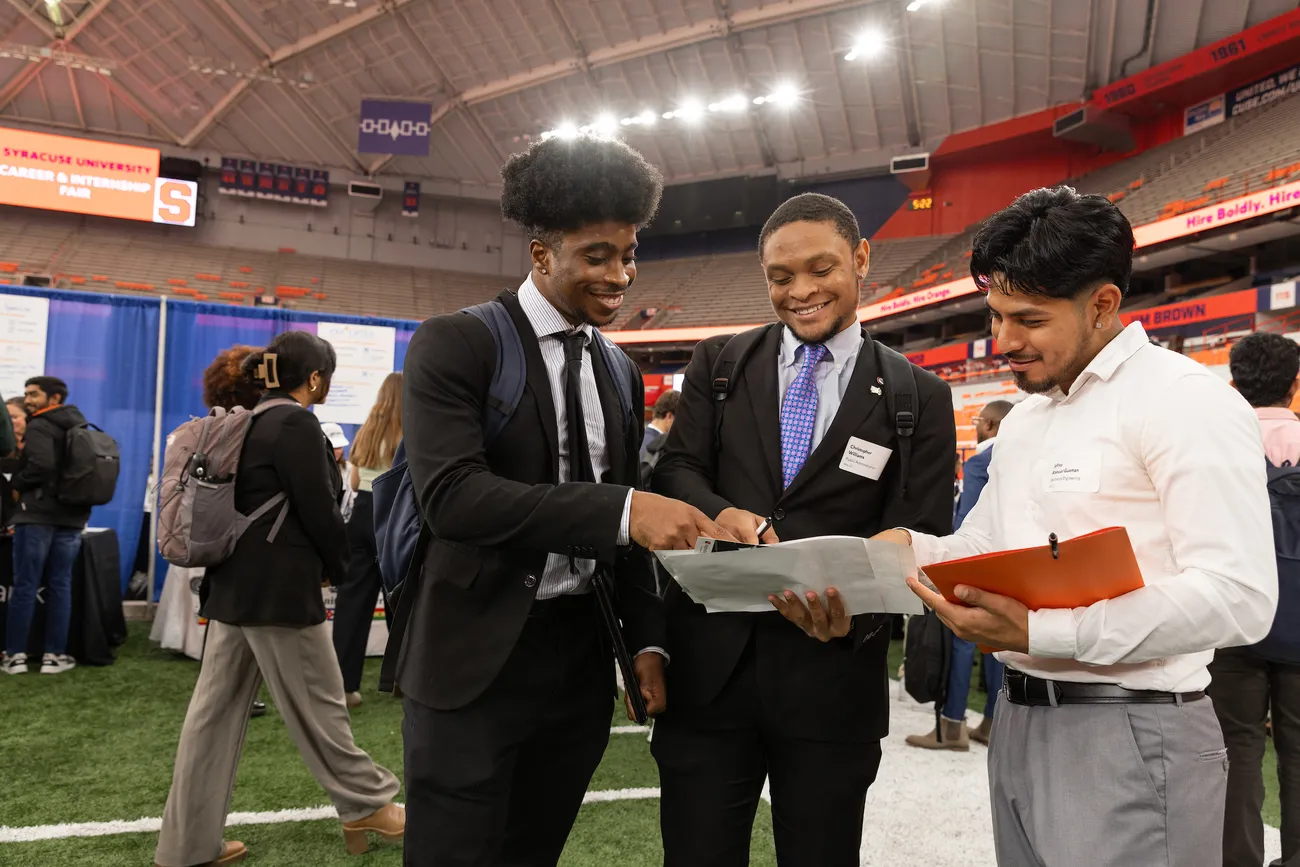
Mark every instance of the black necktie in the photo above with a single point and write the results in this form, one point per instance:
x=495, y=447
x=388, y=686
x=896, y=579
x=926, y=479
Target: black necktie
x=579, y=453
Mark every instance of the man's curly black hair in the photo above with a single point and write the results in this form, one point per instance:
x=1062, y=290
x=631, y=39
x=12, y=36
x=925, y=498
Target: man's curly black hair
x=1264, y=366
x=560, y=185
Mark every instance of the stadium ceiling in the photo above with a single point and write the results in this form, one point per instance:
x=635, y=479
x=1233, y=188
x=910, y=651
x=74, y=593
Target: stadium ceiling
x=282, y=80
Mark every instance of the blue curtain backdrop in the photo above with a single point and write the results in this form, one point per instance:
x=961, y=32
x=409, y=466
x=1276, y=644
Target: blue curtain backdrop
x=196, y=332
x=106, y=348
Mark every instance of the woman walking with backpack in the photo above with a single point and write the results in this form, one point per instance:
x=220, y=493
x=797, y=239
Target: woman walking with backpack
x=266, y=613
x=372, y=454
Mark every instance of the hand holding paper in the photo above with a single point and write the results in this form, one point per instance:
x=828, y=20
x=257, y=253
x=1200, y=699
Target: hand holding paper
x=869, y=576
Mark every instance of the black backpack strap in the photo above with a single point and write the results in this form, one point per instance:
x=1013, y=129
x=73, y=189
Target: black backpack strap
x=622, y=370
x=510, y=371
x=726, y=370
x=901, y=401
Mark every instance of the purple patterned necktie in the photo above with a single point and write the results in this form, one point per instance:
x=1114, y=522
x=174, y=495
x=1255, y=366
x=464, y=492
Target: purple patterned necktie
x=799, y=414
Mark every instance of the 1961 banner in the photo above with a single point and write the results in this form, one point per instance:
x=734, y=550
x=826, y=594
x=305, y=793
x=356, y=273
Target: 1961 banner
x=394, y=127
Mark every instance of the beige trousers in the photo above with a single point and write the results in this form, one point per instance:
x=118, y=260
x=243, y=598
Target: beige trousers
x=303, y=676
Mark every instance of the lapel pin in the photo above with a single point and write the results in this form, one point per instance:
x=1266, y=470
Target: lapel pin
x=880, y=380
x=875, y=389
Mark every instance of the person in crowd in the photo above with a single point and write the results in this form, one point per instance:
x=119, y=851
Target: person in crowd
x=47, y=533
x=267, y=619
x=372, y=454
x=12, y=424
x=506, y=676
x=338, y=441
x=751, y=697
x=226, y=385
x=665, y=411
x=975, y=473
x=1250, y=685
x=1104, y=750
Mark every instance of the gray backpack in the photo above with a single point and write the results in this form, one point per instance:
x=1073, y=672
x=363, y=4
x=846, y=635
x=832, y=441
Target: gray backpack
x=198, y=524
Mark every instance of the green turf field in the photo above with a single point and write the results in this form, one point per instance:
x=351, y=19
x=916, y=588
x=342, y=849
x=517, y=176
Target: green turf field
x=97, y=744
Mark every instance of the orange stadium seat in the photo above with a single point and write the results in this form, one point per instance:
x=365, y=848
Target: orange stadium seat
x=239, y=284
x=319, y=296
x=286, y=250
x=76, y=280
x=244, y=269
x=232, y=296
x=99, y=278
x=210, y=278
x=1216, y=184
x=199, y=296
x=1137, y=184
x=1193, y=204
x=139, y=287
x=1116, y=196
x=8, y=267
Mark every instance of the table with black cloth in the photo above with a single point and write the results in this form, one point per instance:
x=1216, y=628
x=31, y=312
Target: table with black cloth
x=97, y=623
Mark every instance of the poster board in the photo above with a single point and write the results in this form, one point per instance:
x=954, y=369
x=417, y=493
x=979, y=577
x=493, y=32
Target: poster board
x=24, y=326
x=365, y=358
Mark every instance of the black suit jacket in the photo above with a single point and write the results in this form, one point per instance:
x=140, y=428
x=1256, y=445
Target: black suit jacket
x=279, y=583
x=835, y=691
x=496, y=513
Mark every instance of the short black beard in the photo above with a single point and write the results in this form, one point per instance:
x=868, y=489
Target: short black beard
x=835, y=328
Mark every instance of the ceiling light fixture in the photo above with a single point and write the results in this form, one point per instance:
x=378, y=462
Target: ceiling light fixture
x=690, y=110
x=783, y=95
x=869, y=44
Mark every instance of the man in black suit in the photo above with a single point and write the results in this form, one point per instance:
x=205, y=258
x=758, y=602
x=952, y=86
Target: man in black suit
x=754, y=697
x=506, y=670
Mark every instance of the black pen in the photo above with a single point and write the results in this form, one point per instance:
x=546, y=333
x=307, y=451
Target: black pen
x=1054, y=542
x=763, y=528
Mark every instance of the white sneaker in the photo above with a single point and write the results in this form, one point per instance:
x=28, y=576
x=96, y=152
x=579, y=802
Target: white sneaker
x=16, y=664
x=53, y=663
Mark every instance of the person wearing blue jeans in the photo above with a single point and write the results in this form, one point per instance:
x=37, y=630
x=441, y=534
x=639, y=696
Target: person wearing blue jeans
x=47, y=532
x=42, y=552
x=975, y=473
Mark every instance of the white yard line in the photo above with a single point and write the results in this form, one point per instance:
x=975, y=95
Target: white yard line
x=926, y=807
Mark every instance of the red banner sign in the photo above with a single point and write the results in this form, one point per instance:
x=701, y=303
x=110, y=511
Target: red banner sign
x=1267, y=34
x=1200, y=310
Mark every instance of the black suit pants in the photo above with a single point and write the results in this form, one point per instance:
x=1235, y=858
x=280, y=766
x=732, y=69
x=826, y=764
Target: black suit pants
x=354, y=606
x=1246, y=691
x=498, y=783
x=712, y=765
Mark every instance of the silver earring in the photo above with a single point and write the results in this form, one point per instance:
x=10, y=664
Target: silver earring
x=1099, y=325
x=543, y=270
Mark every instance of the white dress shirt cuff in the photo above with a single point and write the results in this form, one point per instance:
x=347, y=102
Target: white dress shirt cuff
x=927, y=548
x=624, y=534
x=658, y=650
x=1053, y=633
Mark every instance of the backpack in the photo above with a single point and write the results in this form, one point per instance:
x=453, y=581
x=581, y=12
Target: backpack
x=401, y=534
x=900, y=394
x=91, y=462
x=650, y=459
x=927, y=661
x=1282, y=644
x=198, y=524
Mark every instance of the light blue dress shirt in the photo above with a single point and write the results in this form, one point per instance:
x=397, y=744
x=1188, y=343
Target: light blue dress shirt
x=832, y=374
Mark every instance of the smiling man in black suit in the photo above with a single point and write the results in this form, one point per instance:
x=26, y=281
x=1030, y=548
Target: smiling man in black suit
x=506, y=668
x=806, y=437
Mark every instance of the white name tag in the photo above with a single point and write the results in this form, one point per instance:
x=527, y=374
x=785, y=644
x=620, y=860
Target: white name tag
x=864, y=458
x=1078, y=470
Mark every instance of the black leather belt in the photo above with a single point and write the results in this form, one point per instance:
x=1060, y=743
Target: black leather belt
x=1030, y=691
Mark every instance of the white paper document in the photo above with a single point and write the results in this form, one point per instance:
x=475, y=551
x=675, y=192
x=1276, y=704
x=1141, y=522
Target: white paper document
x=870, y=576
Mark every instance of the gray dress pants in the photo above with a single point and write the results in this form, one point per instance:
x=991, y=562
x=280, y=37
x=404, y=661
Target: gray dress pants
x=303, y=676
x=1108, y=785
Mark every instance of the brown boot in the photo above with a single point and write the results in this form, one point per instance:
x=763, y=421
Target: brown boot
x=955, y=737
x=232, y=852
x=982, y=732
x=388, y=822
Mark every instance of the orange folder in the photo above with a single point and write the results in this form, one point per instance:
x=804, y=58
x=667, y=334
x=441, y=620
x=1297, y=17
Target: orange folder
x=1086, y=570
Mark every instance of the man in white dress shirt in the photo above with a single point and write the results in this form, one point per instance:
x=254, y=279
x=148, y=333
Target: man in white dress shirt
x=1105, y=750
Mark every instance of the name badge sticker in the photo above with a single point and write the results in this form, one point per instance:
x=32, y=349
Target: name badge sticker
x=1078, y=470
x=866, y=459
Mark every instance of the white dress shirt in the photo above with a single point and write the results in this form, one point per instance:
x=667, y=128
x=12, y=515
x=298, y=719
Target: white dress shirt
x=832, y=375
x=551, y=327
x=1172, y=453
